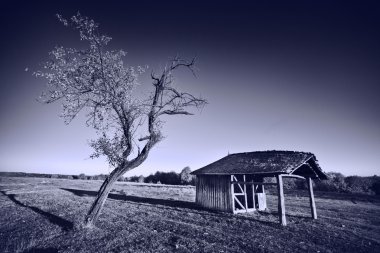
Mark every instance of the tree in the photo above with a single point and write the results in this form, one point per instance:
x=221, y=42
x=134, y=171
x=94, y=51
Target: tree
x=186, y=177
x=164, y=177
x=96, y=81
x=141, y=179
x=334, y=183
x=357, y=184
x=376, y=185
x=169, y=178
x=134, y=179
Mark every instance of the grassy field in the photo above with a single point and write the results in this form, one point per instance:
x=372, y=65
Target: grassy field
x=42, y=215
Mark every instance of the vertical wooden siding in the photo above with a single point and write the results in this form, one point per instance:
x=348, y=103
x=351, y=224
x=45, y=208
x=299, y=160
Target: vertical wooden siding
x=214, y=192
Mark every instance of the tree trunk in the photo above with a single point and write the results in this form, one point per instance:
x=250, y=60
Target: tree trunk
x=106, y=187
x=101, y=197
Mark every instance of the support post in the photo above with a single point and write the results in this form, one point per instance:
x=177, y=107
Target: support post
x=253, y=196
x=312, y=202
x=245, y=195
x=281, y=200
x=232, y=194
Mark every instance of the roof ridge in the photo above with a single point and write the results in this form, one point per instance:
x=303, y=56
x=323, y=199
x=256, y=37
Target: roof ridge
x=274, y=151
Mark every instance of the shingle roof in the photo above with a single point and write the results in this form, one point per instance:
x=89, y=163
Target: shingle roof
x=259, y=162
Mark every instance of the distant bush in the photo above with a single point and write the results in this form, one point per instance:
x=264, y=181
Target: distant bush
x=134, y=179
x=82, y=176
x=376, y=185
x=172, y=178
x=186, y=177
x=356, y=184
x=351, y=184
x=169, y=178
x=334, y=183
x=59, y=176
x=293, y=184
x=65, y=176
x=141, y=179
x=288, y=184
x=151, y=178
x=100, y=177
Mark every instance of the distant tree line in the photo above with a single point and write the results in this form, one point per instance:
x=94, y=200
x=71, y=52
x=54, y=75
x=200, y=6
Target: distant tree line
x=337, y=182
x=171, y=178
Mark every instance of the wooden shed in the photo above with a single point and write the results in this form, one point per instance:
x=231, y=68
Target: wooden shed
x=236, y=182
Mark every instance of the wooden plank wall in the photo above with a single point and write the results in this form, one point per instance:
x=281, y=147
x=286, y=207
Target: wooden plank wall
x=214, y=192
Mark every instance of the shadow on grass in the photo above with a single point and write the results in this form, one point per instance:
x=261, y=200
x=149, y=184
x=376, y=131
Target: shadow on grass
x=41, y=250
x=152, y=201
x=64, y=224
x=167, y=203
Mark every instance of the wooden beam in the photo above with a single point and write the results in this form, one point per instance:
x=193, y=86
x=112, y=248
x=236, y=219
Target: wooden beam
x=238, y=201
x=281, y=200
x=244, y=211
x=237, y=182
x=254, y=183
x=312, y=201
x=293, y=176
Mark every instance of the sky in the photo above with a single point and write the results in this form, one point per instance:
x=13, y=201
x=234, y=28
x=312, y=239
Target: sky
x=278, y=75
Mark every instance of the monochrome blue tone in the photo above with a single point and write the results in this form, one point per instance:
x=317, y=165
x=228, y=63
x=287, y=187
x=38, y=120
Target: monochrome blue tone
x=277, y=75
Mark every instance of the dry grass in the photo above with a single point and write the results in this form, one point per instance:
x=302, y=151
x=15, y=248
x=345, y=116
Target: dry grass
x=44, y=215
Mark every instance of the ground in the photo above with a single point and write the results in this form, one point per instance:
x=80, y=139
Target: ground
x=45, y=215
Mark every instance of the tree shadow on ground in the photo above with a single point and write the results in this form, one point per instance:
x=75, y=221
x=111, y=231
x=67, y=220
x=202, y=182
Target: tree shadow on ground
x=152, y=201
x=63, y=223
x=41, y=250
x=169, y=204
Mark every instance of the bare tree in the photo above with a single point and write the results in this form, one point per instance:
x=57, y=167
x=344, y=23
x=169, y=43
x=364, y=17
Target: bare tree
x=97, y=82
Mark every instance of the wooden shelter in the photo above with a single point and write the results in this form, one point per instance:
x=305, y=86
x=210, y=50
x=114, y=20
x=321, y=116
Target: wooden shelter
x=236, y=182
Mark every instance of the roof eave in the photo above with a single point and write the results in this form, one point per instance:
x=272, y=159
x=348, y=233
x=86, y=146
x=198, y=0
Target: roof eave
x=241, y=173
x=322, y=175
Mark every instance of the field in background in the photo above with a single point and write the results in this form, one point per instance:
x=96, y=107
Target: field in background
x=41, y=215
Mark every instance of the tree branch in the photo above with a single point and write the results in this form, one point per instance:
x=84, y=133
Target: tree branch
x=169, y=112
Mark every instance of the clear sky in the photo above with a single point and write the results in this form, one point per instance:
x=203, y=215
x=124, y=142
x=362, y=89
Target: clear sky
x=287, y=75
